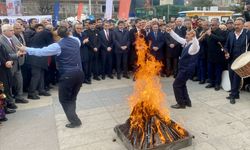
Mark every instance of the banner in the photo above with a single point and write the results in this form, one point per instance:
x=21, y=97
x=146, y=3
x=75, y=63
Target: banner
x=13, y=7
x=79, y=11
x=109, y=9
x=56, y=13
x=124, y=7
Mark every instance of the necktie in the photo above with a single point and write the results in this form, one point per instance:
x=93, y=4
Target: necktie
x=107, y=34
x=12, y=44
x=155, y=35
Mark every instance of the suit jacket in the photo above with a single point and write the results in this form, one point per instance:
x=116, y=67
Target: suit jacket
x=181, y=31
x=12, y=51
x=5, y=73
x=94, y=41
x=171, y=52
x=214, y=53
x=132, y=35
x=84, y=51
x=121, y=39
x=156, y=42
x=230, y=43
x=40, y=40
x=28, y=34
x=105, y=43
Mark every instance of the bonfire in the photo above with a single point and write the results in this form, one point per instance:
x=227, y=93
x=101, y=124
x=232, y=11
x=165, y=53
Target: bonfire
x=149, y=124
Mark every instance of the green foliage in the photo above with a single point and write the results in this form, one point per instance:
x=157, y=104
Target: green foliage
x=202, y=3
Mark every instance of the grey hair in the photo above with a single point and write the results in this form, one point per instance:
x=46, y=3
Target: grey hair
x=6, y=27
x=240, y=19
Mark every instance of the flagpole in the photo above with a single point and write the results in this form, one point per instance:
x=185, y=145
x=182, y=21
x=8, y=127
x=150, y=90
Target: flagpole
x=90, y=11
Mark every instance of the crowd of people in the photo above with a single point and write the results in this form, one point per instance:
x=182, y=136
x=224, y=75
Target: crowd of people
x=107, y=50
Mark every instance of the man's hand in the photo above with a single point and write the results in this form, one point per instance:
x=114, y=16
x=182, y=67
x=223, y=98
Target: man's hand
x=85, y=40
x=171, y=45
x=209, y=32
x=9, y=64
x=227, y=55
x=21, y=48
x=109, y=49
x=95, y=49
x=168, y=30
x=155, y=48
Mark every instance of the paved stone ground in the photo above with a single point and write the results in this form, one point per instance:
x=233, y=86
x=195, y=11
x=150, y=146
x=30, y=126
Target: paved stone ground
x=39, y=125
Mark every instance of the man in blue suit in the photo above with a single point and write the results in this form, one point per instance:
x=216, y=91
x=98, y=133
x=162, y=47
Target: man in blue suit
x=235, y=46
x=156, y=40
x=121, y=47
x=106, y=41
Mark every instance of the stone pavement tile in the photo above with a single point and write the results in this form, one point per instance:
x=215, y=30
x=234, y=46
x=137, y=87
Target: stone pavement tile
x=237, y=141
x=200, y=146
x=29, y=129
x=100, y=145
x=229, y=108
x=241, y=114
x=87, y=138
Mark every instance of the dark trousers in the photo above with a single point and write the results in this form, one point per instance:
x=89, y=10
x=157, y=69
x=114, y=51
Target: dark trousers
x=172, y=65
x=26, y=72
x=94, y=63
x=202, y=67
x=180, y=88
x=214, y=73
x=235, y=80
x=106, y=62
x=69, y=86
x=121, y=60
x=37, y=80
x=18, y=84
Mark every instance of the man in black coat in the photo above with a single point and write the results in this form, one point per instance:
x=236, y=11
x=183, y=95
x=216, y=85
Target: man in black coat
x=156, y=40
x=172, y=54
x=216, y=60
x=94, y=48
x=38, y=65
x=121, y=47
x=30, y=32
x=5, y=74
x=106, y=41
x=235, y=46
x=84, y=51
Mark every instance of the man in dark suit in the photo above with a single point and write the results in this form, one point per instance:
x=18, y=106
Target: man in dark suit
x=215, y=55
x=94, y=48
x=39, y=65
x=121, y=47
x=30, y=32
x=9, y=42
x=235, y=46
x=106, y=41
x=84, y=51
x=5, y=76
x=181, y=31
x=156, y=40
x=172, y=54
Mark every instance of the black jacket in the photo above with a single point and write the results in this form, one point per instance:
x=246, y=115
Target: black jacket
x=121, y=39
x=105, y=43
x=28, y=35
x=40, y=40
x=94, y=41
x=84, y=51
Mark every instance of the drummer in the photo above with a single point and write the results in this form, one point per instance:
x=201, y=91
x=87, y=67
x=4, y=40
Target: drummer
x=234, y=47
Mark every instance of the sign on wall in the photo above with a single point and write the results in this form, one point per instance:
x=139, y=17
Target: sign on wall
x=13, y=7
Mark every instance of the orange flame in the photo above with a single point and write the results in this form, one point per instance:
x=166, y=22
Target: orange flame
x=148, y=97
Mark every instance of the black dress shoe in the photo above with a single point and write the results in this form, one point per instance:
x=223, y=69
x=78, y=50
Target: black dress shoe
x=111, y=77
x=97, y=78
x=87, y=82
x=9, y=111
x=202, y=82
x=126, y=76
x=217, y=88
x=235, y=97
x=195, y=79
x=72, y=125
x=232, y=101
x=3, y=119
x=21, y=100
x=209, y=86
x=103, y=77
x=178, y=106
x=44, y=94
x=189, y=104
x=12, y=106
x=34, y=97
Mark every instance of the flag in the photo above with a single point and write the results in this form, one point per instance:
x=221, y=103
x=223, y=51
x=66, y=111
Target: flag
x=124, y=8
x=56, y=12
x=109, y=9
x=13, y=7
x=79, y=11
